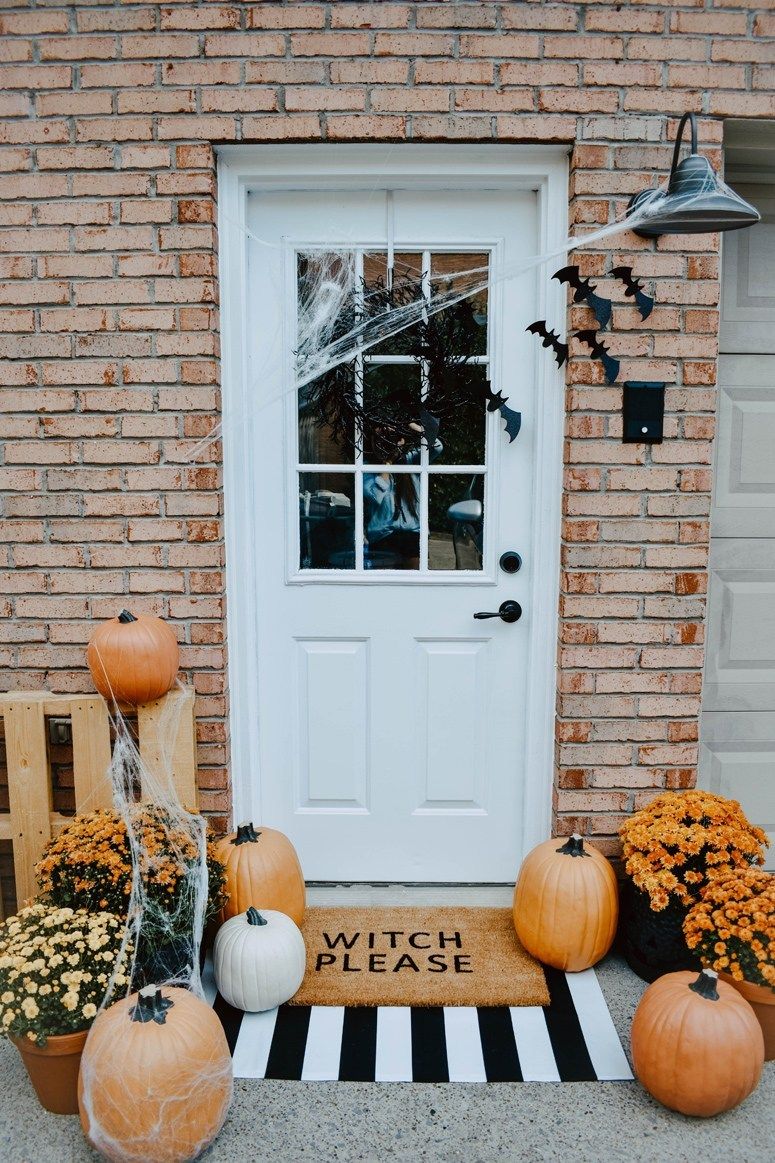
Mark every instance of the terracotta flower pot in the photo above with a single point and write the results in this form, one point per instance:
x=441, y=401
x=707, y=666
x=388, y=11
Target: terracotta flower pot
x=53, y=1069
x=762, y=1001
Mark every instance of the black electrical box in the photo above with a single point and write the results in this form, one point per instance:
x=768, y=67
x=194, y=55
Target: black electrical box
x=643, y=412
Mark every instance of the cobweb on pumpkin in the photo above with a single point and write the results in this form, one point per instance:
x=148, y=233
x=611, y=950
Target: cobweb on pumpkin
x=184, y=1102
x=168, y=898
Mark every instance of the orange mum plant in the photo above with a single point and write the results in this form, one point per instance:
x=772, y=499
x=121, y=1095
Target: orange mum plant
x=681, y=840
x=732, y=926
x=89, y=866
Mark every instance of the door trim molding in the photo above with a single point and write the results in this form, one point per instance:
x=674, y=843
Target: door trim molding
x=543, y=169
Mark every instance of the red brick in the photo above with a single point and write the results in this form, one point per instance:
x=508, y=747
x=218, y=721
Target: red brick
x=286, y=16
x=209, y=16
x=142, y=46
x=499, y=45
x=314, y=44
x=245, y=44
x=376, y=16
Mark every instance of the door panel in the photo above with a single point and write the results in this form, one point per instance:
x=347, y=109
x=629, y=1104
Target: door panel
x=737, y=738
x=391, y=722
x=748, y=288
x=744, y=485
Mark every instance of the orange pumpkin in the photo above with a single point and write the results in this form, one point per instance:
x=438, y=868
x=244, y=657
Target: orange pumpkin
x=566, y=904
x=156, y=1078
x=263, y=870
x=696, y=1044
x=133, y=660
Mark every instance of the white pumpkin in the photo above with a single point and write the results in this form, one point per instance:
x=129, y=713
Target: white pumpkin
x=259, y=960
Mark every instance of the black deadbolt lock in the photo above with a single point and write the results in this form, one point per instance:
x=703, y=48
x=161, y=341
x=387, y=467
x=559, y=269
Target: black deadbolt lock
x=643, y=412
x=510, y=561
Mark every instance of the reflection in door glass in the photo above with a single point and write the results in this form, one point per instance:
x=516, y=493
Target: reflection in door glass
x=391, y=514
x=455, y=521
x=326, y=520
x=462, y=431
x=379, y=297
x=455, y=271
x=318, y=443
x=391, y=390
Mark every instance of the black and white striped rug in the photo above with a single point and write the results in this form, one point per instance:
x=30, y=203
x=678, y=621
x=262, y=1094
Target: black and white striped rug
x=573, y=1039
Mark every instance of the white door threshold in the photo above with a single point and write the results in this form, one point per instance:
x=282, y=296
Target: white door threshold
x=364, y=895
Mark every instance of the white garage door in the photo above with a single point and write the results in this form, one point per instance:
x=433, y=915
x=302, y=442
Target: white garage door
x=737, y=752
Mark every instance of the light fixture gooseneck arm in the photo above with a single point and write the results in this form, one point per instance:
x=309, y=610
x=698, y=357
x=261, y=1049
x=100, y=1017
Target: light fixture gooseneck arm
x=693, y=124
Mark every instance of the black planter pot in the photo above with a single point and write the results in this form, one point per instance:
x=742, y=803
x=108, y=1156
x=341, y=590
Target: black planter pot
x=158, y=963
x=653, y=943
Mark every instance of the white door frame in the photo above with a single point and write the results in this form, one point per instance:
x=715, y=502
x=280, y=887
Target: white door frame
x=543, y=169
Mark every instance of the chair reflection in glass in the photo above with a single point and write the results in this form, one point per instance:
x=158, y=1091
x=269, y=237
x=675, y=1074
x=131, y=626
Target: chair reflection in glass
x=467, y=518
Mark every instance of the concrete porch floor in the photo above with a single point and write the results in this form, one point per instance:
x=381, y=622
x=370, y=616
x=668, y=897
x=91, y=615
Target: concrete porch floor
x=289, y=1121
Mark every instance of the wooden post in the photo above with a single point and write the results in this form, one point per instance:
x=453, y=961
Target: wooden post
x=29, y=787
x=167, y=758
x=167, y=743
x=91, y=754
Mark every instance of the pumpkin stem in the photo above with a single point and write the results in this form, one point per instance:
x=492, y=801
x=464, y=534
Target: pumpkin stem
x=125, y=617
x=255, y=918
x=151, y=1006
x=574, y=846
x=246, y=834
x=705, y=985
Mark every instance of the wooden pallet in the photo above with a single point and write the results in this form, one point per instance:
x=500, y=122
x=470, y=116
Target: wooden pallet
x=31, y=822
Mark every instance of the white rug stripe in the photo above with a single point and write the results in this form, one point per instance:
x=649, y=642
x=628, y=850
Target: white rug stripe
x=534, y=1047
x=324, y=1044
x=394, y=1044
x=603, y=1045
x=465, y=1059
x=252, y=1050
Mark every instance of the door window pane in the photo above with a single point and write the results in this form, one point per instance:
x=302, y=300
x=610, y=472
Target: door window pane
x=391, y=514
x=462, y=430
x=455, y=521
x=326, y=520
x=328, y=441
x=392, y=401
x=458, y=272
x=378, y=299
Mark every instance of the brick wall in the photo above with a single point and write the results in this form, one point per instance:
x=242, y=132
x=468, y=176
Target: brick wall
x=108, y=309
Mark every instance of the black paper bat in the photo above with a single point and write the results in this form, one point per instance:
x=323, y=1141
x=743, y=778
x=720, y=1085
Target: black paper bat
x=600, y=351
x=430, y=426
x=583, y=292
x=550, y=339
x=634, y=290
x=513, y=422
x=496, y=402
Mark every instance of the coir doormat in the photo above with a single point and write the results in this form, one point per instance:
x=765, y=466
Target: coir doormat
x=417, y=957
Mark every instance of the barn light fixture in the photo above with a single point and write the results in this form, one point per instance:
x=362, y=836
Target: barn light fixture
x=696, y=200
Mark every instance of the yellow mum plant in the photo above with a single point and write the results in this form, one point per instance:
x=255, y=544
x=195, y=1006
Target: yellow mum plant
x=681, y=840
x=55, y=969
x=732, y=926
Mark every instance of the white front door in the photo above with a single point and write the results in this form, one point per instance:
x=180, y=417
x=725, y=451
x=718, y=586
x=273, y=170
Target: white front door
x=391, y=723
x=737, y=752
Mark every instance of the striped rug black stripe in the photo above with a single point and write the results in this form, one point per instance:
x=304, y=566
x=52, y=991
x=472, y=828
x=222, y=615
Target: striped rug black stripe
x=429, y=1046
x=499, y=1046
x=359, y=1044
x=286, y=1054
x=231, y=1020
x=565, y=1033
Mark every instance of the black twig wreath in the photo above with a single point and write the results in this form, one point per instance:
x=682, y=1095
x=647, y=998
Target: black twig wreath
x=384, y=423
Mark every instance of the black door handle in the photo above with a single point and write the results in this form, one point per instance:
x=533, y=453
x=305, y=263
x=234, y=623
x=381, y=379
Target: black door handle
x=507, y=612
